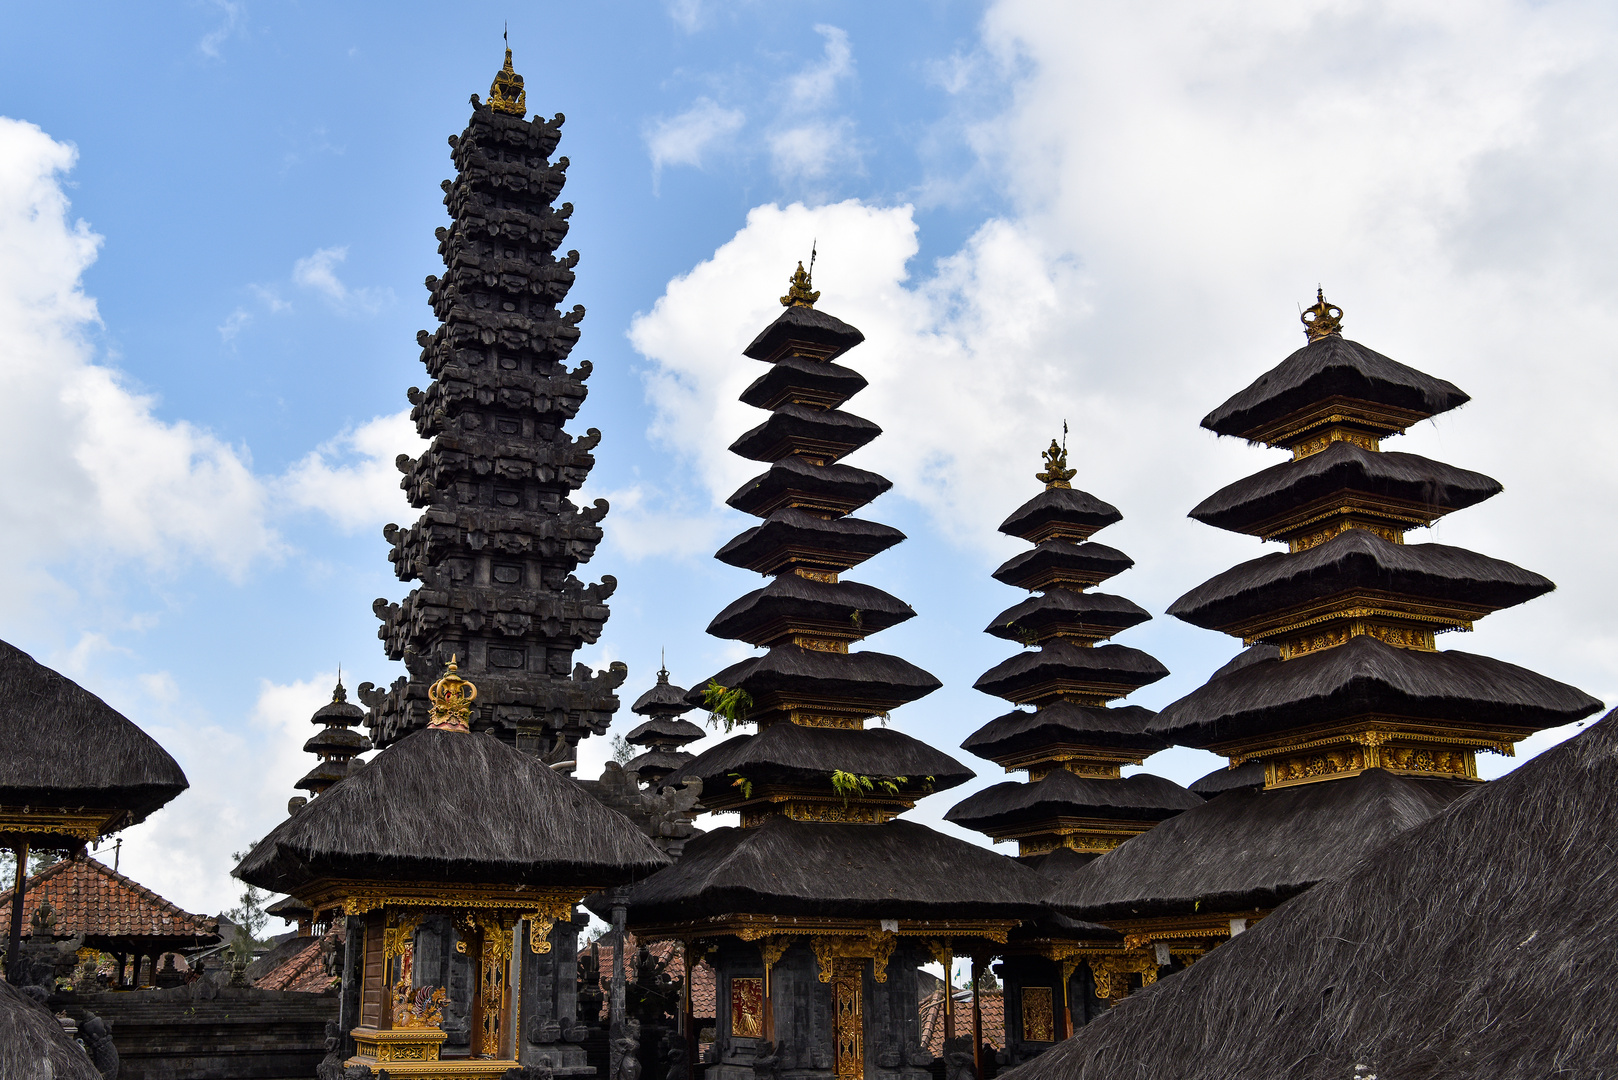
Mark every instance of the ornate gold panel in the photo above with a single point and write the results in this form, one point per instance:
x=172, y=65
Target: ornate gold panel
x=747, y=1008
x=834, y=949
x=848, y=1010
x=1038, y=1016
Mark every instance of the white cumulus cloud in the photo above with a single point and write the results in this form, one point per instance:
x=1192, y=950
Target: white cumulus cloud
x=690, y=137
x=318, y=272
x=353, y=478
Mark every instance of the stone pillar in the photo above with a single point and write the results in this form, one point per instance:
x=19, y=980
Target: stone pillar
x=348, y=1003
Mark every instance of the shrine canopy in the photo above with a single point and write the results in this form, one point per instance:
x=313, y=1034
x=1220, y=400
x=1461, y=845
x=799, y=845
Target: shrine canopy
x=75, y=768
x=1478, y=943
x=116, y=914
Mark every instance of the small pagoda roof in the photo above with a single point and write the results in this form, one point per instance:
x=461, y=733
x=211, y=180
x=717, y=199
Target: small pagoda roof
x=338, y=740
x=1059, y=506
x=1059, y=793
x=895, y=870
x=1062, y=722
x=790, y=600
x=840, y=487
x=656, y=764
x=1089, y=561
x=794, y=378
x=785, y=754
x=792, y=428
x=1478, y=944
x=1357, y=560
x=1428, y=486
x=339, y=711
x=115, y=913
x=663, y=699
x=1106, y=665
x=878, y=679
x=323, y=775
x=1094, y=614
x=447, y=806
x=844, y=541
x=65, y=747
x=661, y=729
x=800, y=328
x=1247, y=850
x=1332, y=367
x=33, y=1044
x=1365, y=677
x=1249, y=774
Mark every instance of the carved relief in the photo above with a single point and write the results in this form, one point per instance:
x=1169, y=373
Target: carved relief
x=1038, y=1023
x=746, y=1008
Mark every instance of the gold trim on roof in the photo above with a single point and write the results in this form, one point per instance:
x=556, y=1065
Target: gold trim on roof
x=1323, y=319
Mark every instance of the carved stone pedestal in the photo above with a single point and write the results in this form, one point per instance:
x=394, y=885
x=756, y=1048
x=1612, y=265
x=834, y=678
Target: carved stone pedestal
x=413, y=1052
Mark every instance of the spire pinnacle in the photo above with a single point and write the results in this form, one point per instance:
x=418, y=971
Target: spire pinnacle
x=1322, y=320
x=506, y=93
x=1056, y=474
x=799, y=291
x=452, y=698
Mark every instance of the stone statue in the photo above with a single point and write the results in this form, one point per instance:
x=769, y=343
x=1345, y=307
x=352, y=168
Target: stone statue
x=627, y=1067
x=331, y=1066
x=767, y=1063
x=96, y=1034
x=677, y=1065
x=958, y=1066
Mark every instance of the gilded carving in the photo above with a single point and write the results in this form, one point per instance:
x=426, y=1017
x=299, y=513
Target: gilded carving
x=1112, y=972
x=875, y=945
x=747, y=1008
x=1038, y=1015
x=848, y=1005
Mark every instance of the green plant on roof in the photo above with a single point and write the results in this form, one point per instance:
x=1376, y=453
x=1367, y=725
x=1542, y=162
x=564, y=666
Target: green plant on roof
x=742, y=784
x=848, y=784
x=1027, y=637
x=726, y=705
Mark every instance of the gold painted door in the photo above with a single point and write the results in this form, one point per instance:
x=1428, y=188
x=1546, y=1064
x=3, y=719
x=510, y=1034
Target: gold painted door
x=848, y=993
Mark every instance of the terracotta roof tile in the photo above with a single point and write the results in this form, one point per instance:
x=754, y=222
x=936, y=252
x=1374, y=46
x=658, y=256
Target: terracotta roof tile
x=305, y=971
x=91, y=898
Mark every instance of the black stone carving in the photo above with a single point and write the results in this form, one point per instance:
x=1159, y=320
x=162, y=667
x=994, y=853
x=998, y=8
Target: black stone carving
x=96, y=1034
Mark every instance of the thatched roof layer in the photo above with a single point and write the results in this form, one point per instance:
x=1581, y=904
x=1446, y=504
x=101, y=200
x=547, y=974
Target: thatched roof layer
x=1250, y=849
x=1069, y=506
x=1098, y=613
x=896, y=870
x=1249, y=774
x=794, y=754
x=663, y=699
x=882, y=680
x=852, y=540
x=1331, y=367
x=1142, y=797
x=666, y=729
x=804, y=325
x=1090, y=559
x=1357, y=561
x=790, y=424
x=67, y=747
x=792, y=376
x=655, y=764
x=453, y=807
x=341, y=711
x=1476, y=944
x=1340, y=468
x=33, y=1045
x=799, y=601
x=1366, y=677
x=841, y=485
x=1117, y=665
x=1123, y=726
x=342, y=740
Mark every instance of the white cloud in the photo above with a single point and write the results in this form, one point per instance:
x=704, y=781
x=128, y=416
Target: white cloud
x=235, y=18
x=352, y=478
x=235, y=323
x=814, y=86
x=812, y=150
x=688, y=138
x=644, y=527
x=319, y=273
x=688, y=15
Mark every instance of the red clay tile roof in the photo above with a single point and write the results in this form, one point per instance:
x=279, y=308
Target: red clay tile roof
x=932, y=1019
x=305, y=971
x=97, y=901
x=702, y=987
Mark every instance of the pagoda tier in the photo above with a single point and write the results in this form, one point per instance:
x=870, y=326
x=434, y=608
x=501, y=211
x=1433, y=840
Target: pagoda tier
x=1072, y=745
x=664, y=733
x=334, y=743
x=498, y=540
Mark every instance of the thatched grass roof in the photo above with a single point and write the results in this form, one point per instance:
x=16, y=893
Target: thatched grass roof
x=664, y=699
x=453, y=807
x=789, y=600
x=790, y=425
x=1017, y=731
x=1117, y=665
x=1069, y=506
x=792, y=375
x=664, y=729
x=840, y=485
x=1096, y=613
x=1096, y=562
x=1366, y=677
x=66, y=747
x=845, y=540
x=1476, y=944
x=1249, y=774
x=1328, y=368
x=655, y=764
x=1250, y=849
x=883, y=681
x=1361, y=561
x=806, y=325
x=1142, y=797
x=33, y=1045
x=786, y=753
x=1342, y=467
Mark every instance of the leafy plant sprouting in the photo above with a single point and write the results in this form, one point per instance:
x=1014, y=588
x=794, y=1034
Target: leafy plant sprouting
x=1027, y=637
x=847, y=783
x=726, y=705
x=742, y=783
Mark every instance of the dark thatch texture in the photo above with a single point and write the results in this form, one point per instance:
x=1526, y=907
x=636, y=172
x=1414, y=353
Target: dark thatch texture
x=1067, y=506
x=666, y=729
x=1366, y=677
x=453, y=807
x=1111, y=665
x=826, y=335
x=1249, y=774
x=663, y=699
x=796, y=377
x=1357, y=561
x=1419, y=483
x=790, y=754
x=1328, y=368
x=33, y=1045
x=791, y=427
x=1092, y=562
x=897, y=870
x=1062, y=722
x=882, y=681
x=1252, y=849
x=844, y=542
x=336, y=739
x=1477, y=944
x=793, y=603
x=67, y=747
x=1142, y=797
x=656, y=764
x=840, y=486
x=1091, y=614
x=344, y=712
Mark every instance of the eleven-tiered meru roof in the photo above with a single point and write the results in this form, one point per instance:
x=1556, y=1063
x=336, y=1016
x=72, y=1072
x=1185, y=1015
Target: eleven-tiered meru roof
x=1072, y=744
x=1343, y=719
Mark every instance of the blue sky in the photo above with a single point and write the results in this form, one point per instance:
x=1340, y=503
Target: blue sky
x=1036, y=212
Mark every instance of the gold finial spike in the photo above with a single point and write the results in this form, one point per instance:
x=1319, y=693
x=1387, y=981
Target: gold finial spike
x=506, y=93
x=1056, y=474
x=799, y=293
x=1323, y=320
x=452, y=698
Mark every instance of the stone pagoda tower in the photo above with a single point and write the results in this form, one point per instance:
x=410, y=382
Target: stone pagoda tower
x=1072, y=745
x=663, y=733
x=334, y=744
x=1344, y=724
x=498, y=539
x=818, y=910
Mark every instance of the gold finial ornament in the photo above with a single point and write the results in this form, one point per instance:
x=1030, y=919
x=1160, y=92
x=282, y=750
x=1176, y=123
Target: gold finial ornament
x=1056, y=474
x=799, y=293
x=452, y=698
x=506, y=93
x=1323, y=320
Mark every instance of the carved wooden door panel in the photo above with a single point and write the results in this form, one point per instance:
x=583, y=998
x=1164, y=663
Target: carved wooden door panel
x=848, y=994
